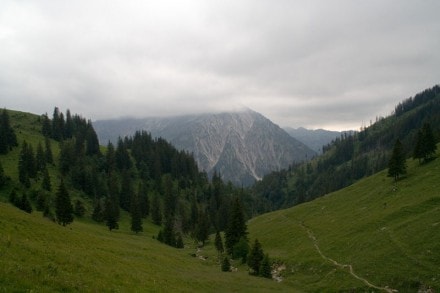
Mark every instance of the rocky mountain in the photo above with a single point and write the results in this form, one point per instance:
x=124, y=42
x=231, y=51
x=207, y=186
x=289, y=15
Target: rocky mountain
x=314, y=139
x=243, y=146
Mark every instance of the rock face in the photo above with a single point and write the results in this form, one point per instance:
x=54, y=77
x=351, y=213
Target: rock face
x=243, y=146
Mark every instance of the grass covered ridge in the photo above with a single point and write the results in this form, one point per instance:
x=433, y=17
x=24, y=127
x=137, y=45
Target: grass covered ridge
x=389, y=233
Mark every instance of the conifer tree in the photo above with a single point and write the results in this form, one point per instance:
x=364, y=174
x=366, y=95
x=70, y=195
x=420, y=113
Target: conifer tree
x=136, y=216
x=48, y=151
x=92, y=143
x=219, y=243
x=226, y=265
x=46, y=127
x=202, y=227
x=111, y=211
x=8, y=138
x=126, y=191
x=68, y=127
x=98, y=211
x=156, y=211
x=265, y=268
x=179, y=241
x=397, y=163
x=45, y=184
x=63, y=205
x=40, y=159
x=23, y=171
x=425, y=146
x=110, y=159
x=25, y=204
x=255, y=258
x=2, y=176
x=236, y=227
x=144, y=201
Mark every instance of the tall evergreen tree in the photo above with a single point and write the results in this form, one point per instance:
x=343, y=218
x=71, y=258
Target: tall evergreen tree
x=126, y=191
x=226, y=265
x=202, y=227
x=63, y=205
x=40, y=158
x=136, y=216
x=45, y=184
x=110, y=158
x=236, y=227
x=156, y=211
x=111, y=210
x=144, y=201
x=397, y=163
x=23, y=172
x=48, y=151
x=255, y=258
x=265, y=268
x=46, y=127
x=92, y=143
x=219, y=243
x=57, y=125
x=425, y=146
x=68, y=127
x=2, y=176
x=8, y=138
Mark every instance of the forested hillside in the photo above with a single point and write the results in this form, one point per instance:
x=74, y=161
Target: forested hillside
x=56, y=165
x=352, y=157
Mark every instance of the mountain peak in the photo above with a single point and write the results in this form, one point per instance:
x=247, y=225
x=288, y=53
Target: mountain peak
x=242, y=145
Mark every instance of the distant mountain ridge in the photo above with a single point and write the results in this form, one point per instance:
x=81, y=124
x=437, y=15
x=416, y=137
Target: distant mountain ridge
x=314, y=139
x=243, y=146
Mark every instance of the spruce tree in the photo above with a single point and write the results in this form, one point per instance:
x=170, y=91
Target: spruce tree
x=156, y=211
x=136, y=216
x=429, y=146
x=8, y=138
x=202, y=228
x=111, y=211
x=255, y=258
x=48, y=151
x=45, y=184
x=25, y=204
x=23, y=172
x=46, y=127
x=226, y=265
x=2, y=176
x=179, y=241
x=236, y=227
x=265, y=268
x=397, y=163
x=40, y=159
x=218, y=243
x=144, y=201
x=63, y=205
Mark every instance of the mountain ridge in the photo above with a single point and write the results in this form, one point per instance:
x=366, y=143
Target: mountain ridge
x=242, y=146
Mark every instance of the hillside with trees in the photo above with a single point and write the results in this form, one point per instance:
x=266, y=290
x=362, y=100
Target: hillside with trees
x=352, y=157
x=55, y=165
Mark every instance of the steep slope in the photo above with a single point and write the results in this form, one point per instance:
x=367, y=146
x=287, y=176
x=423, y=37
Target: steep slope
x=374, y=235
x=243, y=146
x=314, y=139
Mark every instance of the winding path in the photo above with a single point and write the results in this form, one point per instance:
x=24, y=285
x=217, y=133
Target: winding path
x=342, y=266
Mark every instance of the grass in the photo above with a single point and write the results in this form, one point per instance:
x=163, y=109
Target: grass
x=389, y=233
x=40, y=256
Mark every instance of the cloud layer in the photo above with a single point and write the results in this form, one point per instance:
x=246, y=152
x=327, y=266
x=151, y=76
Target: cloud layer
x=332, y=64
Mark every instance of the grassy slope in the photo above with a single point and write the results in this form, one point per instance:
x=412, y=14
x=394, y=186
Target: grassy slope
x=389, y=233
x=38, y=255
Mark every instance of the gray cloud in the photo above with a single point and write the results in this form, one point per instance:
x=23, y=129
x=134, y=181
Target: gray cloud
x=332, y=64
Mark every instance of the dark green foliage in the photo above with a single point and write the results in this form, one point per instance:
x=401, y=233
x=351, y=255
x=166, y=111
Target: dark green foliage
x=168, y=232
x=126, y=192
x=241, y=250
x=265, y=268
x=13, y=197
x=255, y=258
x=218, y=243
x=63, y=205
x=46, y=126
x=111, y=213
x=156, y=211
x=236, y=228
x=144, y=201
x=42, y=201
x=79, y=209
x=122, y=157
x=397, y=163
x=45, y=184
x=202, y=227
x=179, y=241
x=92, y=143
x=2, y=176
x=8, y=139
x=98, y=211
x=136, y=216
x=226, y=265
x=110, y=159
x=40, y=158
x=160, y=236
x=25, y=204
x=48, y=151
x=352, y=156
x=425, y=146
x=57, y=125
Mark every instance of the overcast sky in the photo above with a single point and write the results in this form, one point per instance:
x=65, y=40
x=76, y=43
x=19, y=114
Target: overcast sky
x=318, y=64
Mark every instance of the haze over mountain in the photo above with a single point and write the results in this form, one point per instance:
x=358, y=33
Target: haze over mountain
x=314, y=139
x=243, y=145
